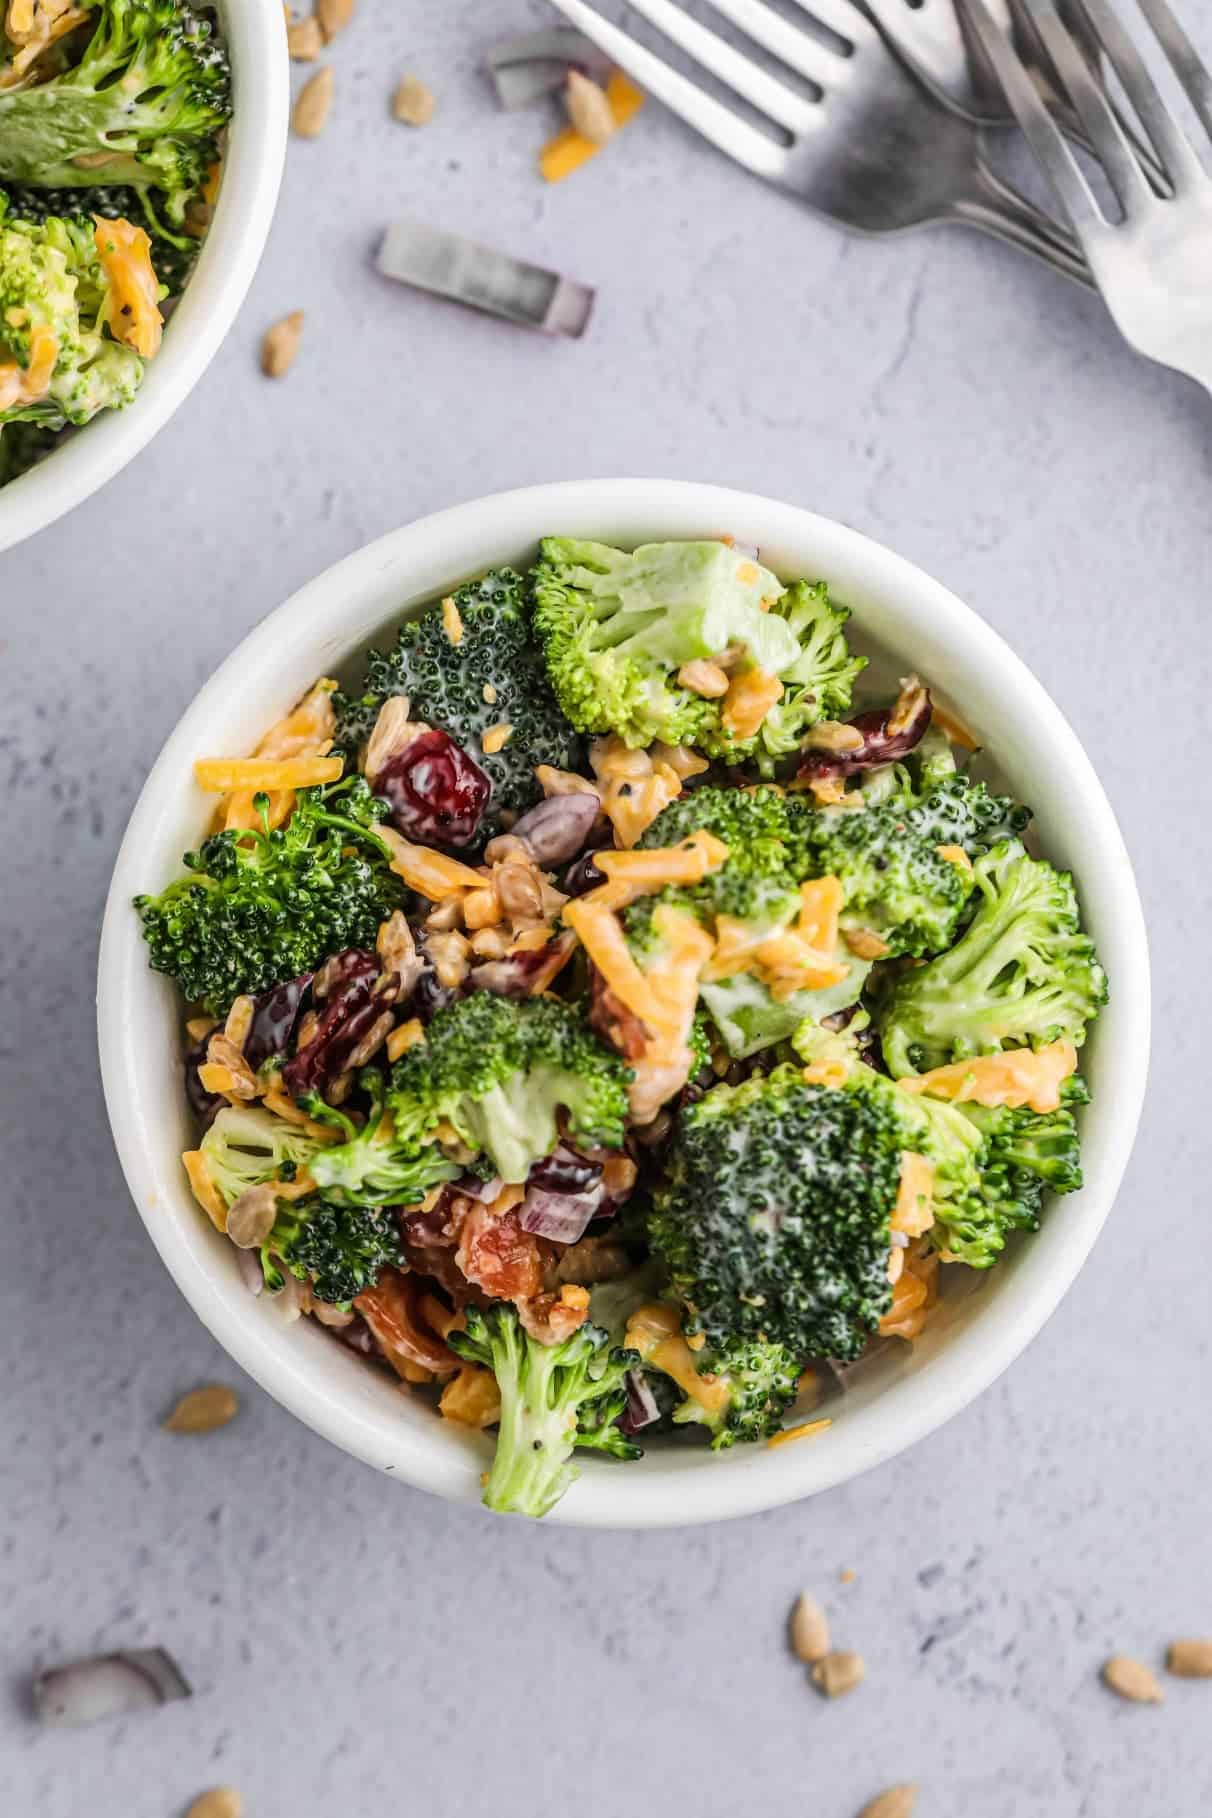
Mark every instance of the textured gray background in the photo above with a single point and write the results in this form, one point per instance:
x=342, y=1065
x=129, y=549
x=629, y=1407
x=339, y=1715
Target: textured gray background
x=356, y=1646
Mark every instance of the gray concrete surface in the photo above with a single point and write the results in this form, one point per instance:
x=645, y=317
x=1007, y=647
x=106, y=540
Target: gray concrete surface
x=358, y=1647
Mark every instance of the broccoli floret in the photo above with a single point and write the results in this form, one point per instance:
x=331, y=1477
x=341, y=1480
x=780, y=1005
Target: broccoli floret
x=956, y=810
x=54, y=311
x=499, y=1070
x=616, y=628
x=247, y=1146
x=820, y=683
x=765, y=855
x=895, y=881
x=259, y=907
x=1028, y=1153
x=751, y=1019
x=372, y=1167
x=173, y=255
x=554, y=1398
x=143, y=105
x=761, y=1380
x=774, y=1216
x=1022, y=974
x=338, y=1250
x=446, y=684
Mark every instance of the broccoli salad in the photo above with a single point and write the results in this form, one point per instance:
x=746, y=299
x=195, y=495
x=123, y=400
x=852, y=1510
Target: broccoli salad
x=596, y=1022
x=112, y=115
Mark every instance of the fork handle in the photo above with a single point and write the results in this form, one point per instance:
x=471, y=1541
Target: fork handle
x=998, y=209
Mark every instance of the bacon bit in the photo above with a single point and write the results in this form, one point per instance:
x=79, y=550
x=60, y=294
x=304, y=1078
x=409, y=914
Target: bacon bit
x=132, y=308
x=472, y=1398
x=496, y=737
x=914, y=1210
x=1018, y=1077
x=750, y=697
x=553, y=1317
x=495, y=1252
x=391, y=1309
x=804, y=1431
x=452, y=622
x=204, y=1189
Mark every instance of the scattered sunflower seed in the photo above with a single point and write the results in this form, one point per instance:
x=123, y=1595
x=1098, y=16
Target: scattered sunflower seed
x=1190, y=1659
x=309, y=115
x=333, y=16
x=1131, y=1679
x=107, y=1685
x=588, y=108
x=414, y=102
x=809, y=1629
x=280, y=345
x=202, y=1410
x=893, y=1802
x=304, y=39
x=838, y=1673
x=219, y=1802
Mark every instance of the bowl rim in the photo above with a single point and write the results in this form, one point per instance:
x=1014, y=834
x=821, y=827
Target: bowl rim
x=904, y=1412
x=255, y=33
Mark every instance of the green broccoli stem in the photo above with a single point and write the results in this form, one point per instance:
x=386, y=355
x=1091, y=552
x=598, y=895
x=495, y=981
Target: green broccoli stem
x=537, y=1434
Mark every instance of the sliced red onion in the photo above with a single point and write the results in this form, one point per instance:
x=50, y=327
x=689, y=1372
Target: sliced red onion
x=879, y=746
x=564, y=1218
x=107, y=1685
x=448, y=265
x=483, y=1190
x=641, y=1409
x=537, y=64
x=565, y=1171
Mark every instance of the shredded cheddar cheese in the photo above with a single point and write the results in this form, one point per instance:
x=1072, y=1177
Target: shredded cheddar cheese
x=218, y=775
x=806, y=1430
x=954, y=729
x=750, y=697
x=914, y=1210
x=431, y=874
x=655, y=1331
x=204, y=1189
x=569, y=150
x=472, y=1397
x=306, y=731
x=1018, y=1077
x=20, y=385
x=799, y=958
x=132, y=310
x=955, y=855
x=631, y=875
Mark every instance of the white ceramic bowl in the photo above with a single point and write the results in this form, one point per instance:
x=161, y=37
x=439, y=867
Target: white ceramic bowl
x=899, y=612
x=255, y=32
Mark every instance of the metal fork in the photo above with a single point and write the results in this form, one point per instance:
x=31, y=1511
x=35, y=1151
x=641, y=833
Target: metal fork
x=941, y=50
x=1154, y=267
x=876, y=152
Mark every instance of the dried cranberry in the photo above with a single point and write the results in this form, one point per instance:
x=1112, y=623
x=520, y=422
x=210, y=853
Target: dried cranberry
x=342, y=969
x=350, y=1008
x=275, y=1014
x=205, y=1105
x=879, y=746
x=437, y=794
x=564, y=1171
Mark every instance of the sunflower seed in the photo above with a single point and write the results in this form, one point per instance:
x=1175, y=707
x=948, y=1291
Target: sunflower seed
x=809, y=1629
x=893, y=1802
x=839, y=1673
x=309, y=115
x=588, y=108
x=220, y=1802
x=334, y=16
x=1131, y=1679
x=1190, y=1659
x=304, y=40
x=280, y=345
x=202, y=1410
x=414, y=103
